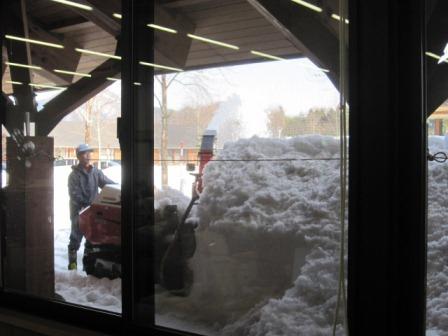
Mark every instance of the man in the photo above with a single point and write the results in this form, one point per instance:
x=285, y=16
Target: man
x=83, y=183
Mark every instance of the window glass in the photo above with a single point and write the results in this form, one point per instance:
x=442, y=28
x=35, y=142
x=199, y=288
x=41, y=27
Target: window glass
x=437, y=108
x=61, y=170
x=247, y=162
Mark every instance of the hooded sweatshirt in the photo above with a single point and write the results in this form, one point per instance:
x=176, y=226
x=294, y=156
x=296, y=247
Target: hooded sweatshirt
x=83, y=187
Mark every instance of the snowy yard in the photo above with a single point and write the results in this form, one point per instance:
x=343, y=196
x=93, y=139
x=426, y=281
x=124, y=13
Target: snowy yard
x=76, y=286
x=259, y=213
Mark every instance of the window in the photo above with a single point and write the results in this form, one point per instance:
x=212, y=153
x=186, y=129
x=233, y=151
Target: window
x=242, y=156
x=437, y=168
x=62, y=89
x=239, y=109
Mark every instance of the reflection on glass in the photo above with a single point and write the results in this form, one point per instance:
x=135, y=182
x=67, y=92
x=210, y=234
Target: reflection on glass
x=61, y=158
x=437, y=111
x=437, y=231
x=246, y=154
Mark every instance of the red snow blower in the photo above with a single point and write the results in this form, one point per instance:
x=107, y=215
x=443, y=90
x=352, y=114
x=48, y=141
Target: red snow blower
x=174, y=239
x=101, y=225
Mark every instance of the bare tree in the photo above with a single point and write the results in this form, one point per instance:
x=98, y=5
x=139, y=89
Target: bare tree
x=191, y=82
x=94, y=112
x=87, y=116
x=275, y=121
x=165, y=83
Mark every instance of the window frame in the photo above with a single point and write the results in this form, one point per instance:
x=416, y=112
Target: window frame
x=387, y=245
x=366, y=289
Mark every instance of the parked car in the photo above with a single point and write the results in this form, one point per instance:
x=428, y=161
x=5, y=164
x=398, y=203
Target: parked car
x=64, y=162
x=110, y=163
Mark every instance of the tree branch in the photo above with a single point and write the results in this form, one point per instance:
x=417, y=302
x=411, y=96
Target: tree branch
x=158, y=100
x=172, y=79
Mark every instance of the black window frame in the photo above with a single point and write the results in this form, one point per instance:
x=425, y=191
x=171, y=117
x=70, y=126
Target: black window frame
x=379, y=32
x=387, y=183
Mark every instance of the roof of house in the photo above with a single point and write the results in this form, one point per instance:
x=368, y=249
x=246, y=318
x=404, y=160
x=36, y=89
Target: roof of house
x=71, y=134
x=441, y=112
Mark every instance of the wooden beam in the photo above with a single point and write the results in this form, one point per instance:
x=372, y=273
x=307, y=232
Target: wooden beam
x=305, y=30
x=172, y=49
x=43, y=56
x=4, y=59
x=76, y=95
x=19, y=53
x=73, y=27
x=50, y=58
x=169, y=50
x=185, y=3
x=101, y=15
x=8, y=109
x=59, y=26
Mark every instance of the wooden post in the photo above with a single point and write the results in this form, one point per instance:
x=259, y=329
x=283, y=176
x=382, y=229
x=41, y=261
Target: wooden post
x=29, y=262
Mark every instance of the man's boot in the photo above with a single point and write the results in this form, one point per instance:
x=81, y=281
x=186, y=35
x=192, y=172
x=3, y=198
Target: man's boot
x=72, y=260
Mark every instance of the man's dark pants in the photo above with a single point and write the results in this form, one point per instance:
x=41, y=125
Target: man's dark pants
x=75, y=235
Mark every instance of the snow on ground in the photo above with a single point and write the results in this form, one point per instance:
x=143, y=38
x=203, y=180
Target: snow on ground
x=78, y=287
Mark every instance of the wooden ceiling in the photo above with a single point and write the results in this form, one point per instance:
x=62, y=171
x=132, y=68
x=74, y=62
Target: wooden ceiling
x=231, y=21
x=278, y=28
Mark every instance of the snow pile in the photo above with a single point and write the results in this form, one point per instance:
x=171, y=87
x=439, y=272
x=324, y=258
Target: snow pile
x=268, y=243
x=268, y=238
x=298, y=200
x=249, y=207
x=437, y=277
x=296, y=197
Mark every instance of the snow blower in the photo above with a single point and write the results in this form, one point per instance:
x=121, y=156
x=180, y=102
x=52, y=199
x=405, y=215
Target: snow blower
x=101, y=225
x=174, y=239
x=175, y=274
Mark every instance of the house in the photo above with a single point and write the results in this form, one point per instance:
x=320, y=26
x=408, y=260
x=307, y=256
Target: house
x=438, y=121
x=68, y=134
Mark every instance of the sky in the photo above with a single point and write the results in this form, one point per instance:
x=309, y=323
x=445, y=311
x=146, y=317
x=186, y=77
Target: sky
x=297, y=85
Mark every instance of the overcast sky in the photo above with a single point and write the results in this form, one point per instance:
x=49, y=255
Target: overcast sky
x=297, y=85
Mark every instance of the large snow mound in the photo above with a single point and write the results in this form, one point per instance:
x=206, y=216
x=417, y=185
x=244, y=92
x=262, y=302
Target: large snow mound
x=266, y=261
x=437, y=277
x=282, y=196
x=251, y=205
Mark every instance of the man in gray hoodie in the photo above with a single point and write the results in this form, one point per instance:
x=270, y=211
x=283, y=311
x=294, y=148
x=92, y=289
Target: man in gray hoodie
x=83, y=183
